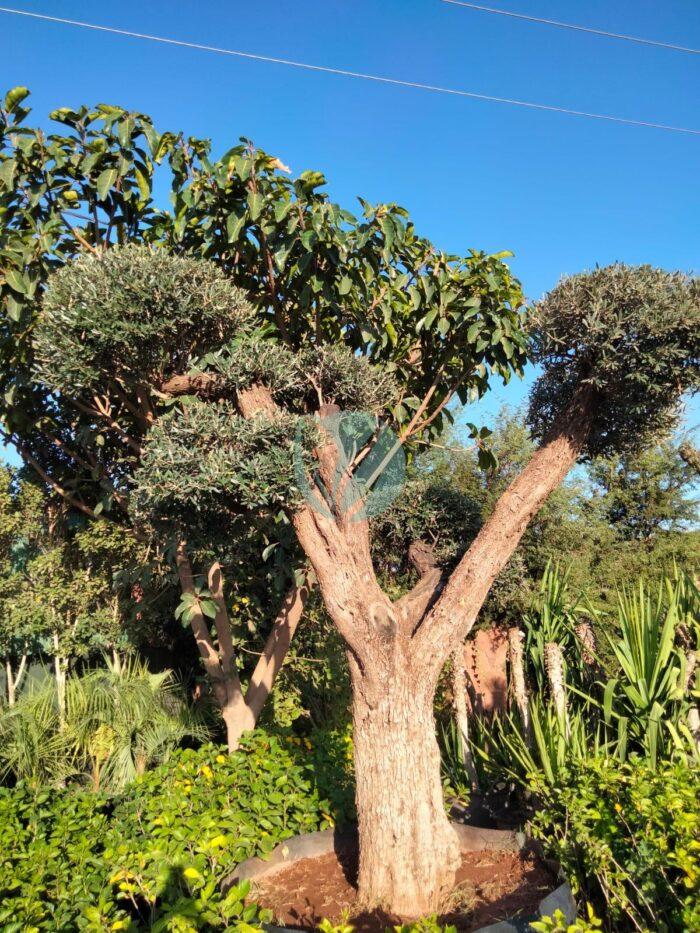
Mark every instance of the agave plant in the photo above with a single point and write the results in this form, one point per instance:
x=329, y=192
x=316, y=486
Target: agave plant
x=122, y=719
x=644, y=702
x=552, y=620
x=504, y=750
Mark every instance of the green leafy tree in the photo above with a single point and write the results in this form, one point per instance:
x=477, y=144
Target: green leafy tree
x=62, y=594
x=647, y=495
x=314, y=274
x=238, y=429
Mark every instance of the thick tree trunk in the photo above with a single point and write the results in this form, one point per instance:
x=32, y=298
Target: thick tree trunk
x=408, y=850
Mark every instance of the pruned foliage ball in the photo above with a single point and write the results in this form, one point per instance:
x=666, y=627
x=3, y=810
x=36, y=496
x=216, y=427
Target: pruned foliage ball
x=204, y=460
x=133, y=314
x=630, y=332
x=302, y=380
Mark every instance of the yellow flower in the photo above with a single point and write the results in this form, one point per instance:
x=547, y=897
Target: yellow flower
x=120, y=925
x=192, y=873
x=221, y=759
x=618, y=808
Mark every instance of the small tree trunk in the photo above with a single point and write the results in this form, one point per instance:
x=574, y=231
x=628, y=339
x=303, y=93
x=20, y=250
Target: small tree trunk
x=10, y=683
x=242, y=715
x=59, y=665
x=586, y=637
x=693, y=674
x=409, y=852
x=459, y=691
x=554, y=665
x=517, y=679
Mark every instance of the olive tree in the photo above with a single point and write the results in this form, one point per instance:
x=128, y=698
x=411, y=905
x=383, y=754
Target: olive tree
x=312, y=272
x=255, y=424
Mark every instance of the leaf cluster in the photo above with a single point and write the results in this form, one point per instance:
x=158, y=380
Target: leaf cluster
x=132, y=315
x=205, y=459
x=627, y=836
x=631, y=333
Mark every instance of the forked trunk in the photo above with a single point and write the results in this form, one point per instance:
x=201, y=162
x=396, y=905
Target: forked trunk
x=408, y=850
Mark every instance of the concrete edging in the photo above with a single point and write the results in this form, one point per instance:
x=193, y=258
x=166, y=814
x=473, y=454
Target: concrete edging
x=472, y=839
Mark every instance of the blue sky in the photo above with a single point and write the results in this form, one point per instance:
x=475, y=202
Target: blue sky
x=563, y=193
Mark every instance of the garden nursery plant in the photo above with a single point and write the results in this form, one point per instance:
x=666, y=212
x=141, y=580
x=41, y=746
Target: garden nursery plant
x=257, y=364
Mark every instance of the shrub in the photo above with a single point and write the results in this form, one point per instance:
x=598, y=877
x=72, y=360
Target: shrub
x=629, y=836
x=217, y=809
x=131, y=311
x=153, y=857
x=51, y=857
x=557, y=924
x=628, y=332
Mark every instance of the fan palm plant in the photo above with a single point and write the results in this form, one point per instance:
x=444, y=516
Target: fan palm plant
x=32, y=747
x=118, y=721
x=122, y=719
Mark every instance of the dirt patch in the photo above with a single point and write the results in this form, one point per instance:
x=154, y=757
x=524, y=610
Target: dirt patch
x=490, y=886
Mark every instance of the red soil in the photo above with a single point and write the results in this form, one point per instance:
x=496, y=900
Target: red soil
x=490, y=886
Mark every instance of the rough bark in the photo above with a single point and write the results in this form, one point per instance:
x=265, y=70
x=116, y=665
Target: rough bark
x=203, y=384
x=459, y=700
x=408, y=850
x=586, y=637
x=518, y=683
x=554, y=666
x=452, y=616
x=484, y=657
x=692, y=681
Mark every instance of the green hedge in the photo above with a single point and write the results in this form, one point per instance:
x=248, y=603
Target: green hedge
x=628, y=837
x=153, y=857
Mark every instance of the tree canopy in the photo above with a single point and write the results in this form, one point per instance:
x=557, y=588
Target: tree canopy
x=630, y=334
x=315, y=273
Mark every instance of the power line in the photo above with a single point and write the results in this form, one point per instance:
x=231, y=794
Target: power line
x=352, y=74
x=589, y=29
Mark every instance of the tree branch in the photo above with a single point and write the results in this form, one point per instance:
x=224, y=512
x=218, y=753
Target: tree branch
x=49, y=480
x=414, y=604
x=207, y=384
x=227, y=657
x=276, y=648
x=199, y=626
x=451, y=618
